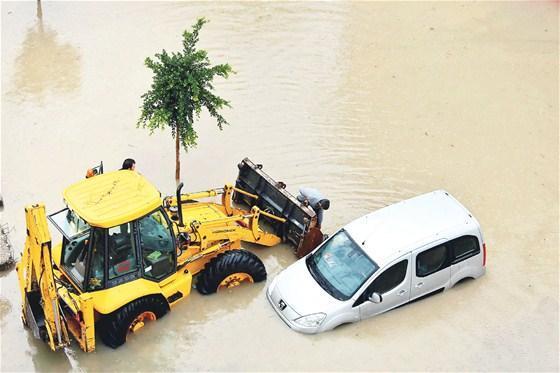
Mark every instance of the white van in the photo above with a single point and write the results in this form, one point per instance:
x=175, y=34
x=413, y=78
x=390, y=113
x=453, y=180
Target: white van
x=392, y=256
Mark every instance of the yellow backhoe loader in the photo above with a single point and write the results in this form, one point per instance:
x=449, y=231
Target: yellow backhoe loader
x=127, y=255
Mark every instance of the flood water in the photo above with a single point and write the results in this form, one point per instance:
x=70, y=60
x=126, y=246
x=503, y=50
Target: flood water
x=369, y=102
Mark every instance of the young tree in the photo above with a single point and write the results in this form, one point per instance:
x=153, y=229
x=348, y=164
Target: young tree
x=181, y=87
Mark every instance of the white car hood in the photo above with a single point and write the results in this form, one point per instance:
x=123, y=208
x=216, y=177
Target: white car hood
x=299, y=290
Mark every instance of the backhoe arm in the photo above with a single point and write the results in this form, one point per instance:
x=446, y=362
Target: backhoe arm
x=41, y=310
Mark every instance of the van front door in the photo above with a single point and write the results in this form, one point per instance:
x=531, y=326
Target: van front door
x=431, y=270
x=393, y=284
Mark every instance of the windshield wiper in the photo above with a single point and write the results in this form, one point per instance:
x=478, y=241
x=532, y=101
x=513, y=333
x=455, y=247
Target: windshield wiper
x=311, y=266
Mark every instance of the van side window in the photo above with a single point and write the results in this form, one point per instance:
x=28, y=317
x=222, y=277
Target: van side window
x=463, y=248
x=431, y=261
x=390, y=278
x=387, y=281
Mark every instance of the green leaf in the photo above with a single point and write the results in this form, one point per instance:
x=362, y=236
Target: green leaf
x=181, y=87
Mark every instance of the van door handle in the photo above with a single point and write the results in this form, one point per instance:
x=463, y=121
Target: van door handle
x=419, y=285
x=402, y=292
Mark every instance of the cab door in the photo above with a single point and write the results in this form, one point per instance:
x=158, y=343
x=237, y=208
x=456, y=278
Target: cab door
x=392, y=283
x=157, y=246
x=432, y=270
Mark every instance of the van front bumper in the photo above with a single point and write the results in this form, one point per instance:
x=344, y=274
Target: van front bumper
x=288, y=315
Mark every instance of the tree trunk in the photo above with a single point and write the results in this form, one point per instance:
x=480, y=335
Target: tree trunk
x=177, y=158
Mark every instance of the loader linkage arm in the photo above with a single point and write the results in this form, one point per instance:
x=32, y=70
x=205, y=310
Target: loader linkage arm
x=226, y=193
x=212, y=230
x=230, y=224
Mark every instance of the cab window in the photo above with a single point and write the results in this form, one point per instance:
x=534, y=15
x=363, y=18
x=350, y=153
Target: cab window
x=69, y=223
x=390, y=278
x=74, y=256
x=157, y=247
x=97, y=267
x=121, y=250
x=75, y=244
x=431, y=261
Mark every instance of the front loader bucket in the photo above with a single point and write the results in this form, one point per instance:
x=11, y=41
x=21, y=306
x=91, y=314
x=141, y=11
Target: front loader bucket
x=275, y=199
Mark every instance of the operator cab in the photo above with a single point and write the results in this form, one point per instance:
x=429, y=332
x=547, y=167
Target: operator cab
x=98, y=258
x=114, y=231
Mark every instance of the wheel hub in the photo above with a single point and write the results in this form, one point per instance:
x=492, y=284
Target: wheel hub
x=235, y=279
x=140, y=320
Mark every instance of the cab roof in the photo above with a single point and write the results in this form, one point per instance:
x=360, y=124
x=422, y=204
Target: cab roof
x=113, y=198
x=392, y=231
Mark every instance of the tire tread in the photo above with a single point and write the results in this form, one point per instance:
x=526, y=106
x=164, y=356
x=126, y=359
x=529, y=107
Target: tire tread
x=227, y=263
x=114, y=326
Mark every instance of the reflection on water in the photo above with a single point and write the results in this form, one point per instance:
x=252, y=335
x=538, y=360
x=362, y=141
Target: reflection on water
x=39, y=10
x=5, y=308
x=45, y=65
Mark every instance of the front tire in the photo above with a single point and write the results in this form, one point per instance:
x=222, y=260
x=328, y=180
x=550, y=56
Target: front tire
x=130, y=318
x=230, y=269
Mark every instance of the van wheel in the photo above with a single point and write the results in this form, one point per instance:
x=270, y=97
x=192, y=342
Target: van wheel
x=230, y=269
x=130, y=318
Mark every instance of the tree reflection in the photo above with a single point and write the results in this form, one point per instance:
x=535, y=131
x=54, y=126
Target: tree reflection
x=45, y=63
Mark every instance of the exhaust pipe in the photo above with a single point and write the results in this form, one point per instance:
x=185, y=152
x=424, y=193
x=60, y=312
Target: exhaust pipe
x=179, y=204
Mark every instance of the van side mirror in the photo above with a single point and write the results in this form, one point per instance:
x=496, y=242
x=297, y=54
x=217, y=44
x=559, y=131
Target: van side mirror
x=375, y=298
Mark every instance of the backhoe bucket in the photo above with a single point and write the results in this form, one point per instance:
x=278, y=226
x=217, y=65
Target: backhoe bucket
x=275, y=199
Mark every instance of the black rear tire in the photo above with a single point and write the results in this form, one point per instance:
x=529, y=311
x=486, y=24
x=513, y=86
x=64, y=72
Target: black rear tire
x=227, y=264
x=115, y=326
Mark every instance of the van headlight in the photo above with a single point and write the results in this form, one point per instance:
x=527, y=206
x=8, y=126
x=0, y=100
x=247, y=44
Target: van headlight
x=313, y=320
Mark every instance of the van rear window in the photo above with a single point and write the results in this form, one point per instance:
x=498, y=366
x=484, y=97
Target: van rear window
x=449, y=253
x=464, y=247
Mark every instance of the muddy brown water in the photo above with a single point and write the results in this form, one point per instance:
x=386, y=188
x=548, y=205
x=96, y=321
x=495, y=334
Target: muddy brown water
x=369, y=102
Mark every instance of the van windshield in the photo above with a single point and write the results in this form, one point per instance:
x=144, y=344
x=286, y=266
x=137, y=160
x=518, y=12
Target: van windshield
x=340, y=266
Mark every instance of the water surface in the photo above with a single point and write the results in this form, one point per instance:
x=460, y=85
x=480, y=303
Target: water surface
x=369, y=102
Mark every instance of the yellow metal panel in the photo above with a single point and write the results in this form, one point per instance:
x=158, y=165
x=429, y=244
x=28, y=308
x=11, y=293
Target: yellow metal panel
x=181, y=283
x=201, y=212
x=72, y=300
x=20, y=267
x=56, y=254
x=113, y=198
x=108, y=300
x=87, y=342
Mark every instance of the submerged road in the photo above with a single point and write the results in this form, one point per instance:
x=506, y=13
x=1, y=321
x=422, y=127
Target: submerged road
x=370, y=103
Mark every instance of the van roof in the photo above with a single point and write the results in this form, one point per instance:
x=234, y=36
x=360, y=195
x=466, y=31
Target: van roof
x=113, y=198
x=392, y=231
